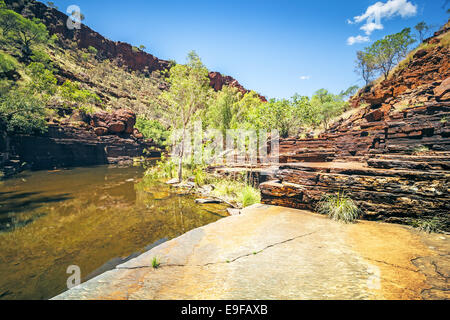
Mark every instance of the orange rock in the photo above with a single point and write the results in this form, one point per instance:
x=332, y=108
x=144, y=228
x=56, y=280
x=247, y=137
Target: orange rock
x=443, y=88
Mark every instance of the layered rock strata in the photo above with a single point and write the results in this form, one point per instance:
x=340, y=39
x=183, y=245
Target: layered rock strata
x=392, y=155
x=81, y=144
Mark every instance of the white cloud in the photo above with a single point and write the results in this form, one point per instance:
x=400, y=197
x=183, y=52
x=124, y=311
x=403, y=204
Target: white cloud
x=305, y=77
x=358, y=39
x=380, y=10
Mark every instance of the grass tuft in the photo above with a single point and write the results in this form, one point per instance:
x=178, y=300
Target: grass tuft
x=249, y=196
x=339, y=207
x=433, y=225
x=155, y=263
x=420, y=150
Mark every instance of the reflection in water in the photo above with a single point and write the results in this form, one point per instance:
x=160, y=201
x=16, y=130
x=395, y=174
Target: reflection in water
x=94, y=217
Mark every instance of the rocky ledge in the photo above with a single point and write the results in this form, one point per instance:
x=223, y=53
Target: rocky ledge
x=391, y=155
x=278, y=253
x=102, y=138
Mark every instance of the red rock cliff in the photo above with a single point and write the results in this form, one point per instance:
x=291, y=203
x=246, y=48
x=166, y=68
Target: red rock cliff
x=136, y=60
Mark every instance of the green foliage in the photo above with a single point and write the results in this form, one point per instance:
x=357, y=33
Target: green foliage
x=236, y=190
x=327, y=106
x=153, y=129
x=249, y=196
x=7, y=64
x=72, y=92
x=223, y=110
x=422, y=28
x=5, y=86
x=420, y=149
x=43, y=80
x=280, y=115
x=350, y=92
x=21, y=33
x=431, y=225
x=22, y=111
x=390, y=50
x=52, y=5
x=189, y=91
x=92, y=50
x=339, y=207
x=155, y=263
x=42, y=57
x=164, y=168
x=188, y=95
x=248, y=112
x=365, y=66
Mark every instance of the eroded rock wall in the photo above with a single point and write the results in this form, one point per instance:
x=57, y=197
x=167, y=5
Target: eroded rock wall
x=392, y=155
x=81, y=143
x=124, y=53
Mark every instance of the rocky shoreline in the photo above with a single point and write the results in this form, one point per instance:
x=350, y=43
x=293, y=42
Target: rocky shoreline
x=102, y=138
x=234, y=259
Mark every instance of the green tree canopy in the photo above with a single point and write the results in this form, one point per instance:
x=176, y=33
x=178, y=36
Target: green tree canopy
x=422, y=28
x=187, y=96
x=390, y=50
x=21, y=33
x=327, y=106
x=22, y=112
x=365, y=66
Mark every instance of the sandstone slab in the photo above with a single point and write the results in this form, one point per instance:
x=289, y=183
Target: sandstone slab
x=277, y=253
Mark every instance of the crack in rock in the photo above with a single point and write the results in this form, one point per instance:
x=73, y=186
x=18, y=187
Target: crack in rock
x=391, y=264
x=220, y=262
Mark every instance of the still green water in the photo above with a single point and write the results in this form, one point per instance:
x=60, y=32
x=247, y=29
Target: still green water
x=94, y=218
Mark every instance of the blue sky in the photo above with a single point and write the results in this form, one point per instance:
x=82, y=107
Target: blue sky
x=275, y=47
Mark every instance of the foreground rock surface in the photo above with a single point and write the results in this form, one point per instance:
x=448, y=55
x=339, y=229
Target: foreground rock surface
x=279, y=253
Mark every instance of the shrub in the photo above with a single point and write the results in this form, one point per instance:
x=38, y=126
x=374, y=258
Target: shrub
x=199, y=176
x=249, y=196
x=153, y=129
x=71, y=92
x=43, y=80
x=42, y=57
x=165, y=168
x=236, y=191
x=7, y=64
x=23, y=112
x=339, y=207
x=420, y=149
x=5, y=86
x=433, y=225
x=92, y=50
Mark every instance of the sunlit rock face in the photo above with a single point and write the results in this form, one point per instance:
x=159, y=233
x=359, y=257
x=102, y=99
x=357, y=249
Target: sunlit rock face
x=218, y=81
x=391, y=155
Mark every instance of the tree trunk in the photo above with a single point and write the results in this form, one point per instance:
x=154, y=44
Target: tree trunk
x=180, y=161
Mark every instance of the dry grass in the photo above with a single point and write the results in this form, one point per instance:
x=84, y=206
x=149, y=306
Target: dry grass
x=445, y=40
x=118, y=87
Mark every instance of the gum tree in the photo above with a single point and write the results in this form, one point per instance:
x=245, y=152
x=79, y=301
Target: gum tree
x=21, y=33
x=422, y=28
x=365, y=66
x=188, y=95
x=327, y=106
x=390, y=50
